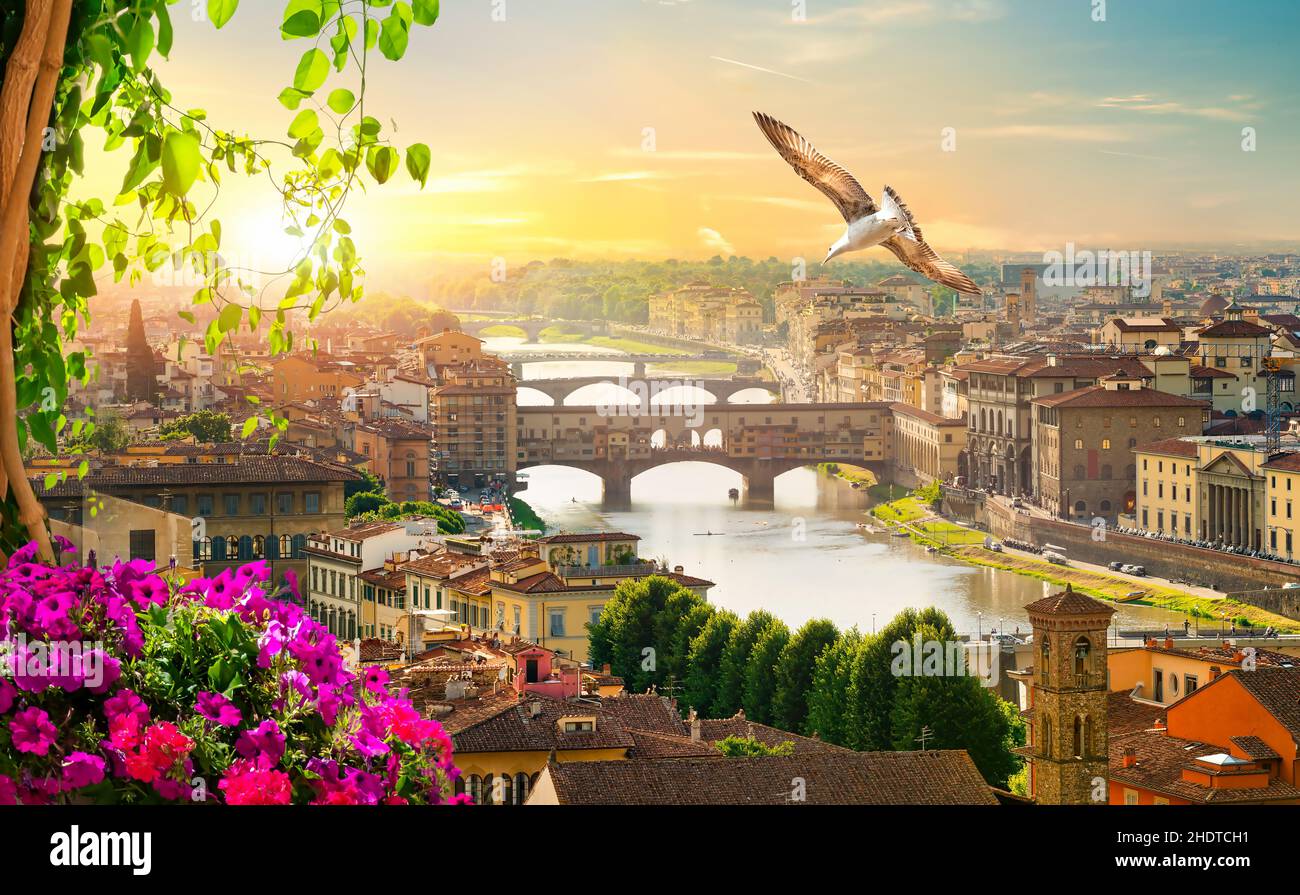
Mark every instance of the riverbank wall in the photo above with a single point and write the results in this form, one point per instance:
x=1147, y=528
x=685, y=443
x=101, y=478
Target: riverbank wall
x=1254, y=581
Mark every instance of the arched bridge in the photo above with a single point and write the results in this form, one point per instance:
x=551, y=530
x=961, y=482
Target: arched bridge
x=558, y=390
x=760, y=441
x=533, y=326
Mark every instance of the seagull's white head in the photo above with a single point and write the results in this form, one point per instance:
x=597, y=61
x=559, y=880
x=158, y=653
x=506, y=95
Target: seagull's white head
x=839, y=248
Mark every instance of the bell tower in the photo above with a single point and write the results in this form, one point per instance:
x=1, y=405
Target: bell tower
x=1028, y=296
x=1067, y=748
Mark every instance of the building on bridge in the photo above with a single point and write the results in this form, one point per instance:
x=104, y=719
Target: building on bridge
x=760, y=441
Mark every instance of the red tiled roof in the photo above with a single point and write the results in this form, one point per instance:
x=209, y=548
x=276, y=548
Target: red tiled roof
x=829, y=778
x=1100, y=396
x=1176, y=447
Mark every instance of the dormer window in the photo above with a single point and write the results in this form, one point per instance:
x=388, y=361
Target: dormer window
x=577, y=725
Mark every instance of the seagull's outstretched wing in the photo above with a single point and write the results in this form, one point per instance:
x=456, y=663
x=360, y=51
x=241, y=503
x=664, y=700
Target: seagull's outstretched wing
x=917, y=254
x=839, y=186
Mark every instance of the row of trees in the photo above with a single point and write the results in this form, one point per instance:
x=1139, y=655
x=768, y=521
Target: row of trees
x=817, y=681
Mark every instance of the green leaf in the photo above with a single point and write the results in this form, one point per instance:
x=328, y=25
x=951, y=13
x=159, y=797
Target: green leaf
x=342, y=101
x=394, y=35
x=313, y=68
x=140, y=42
x=230, y=317
x=381, y=161
x=302, y=18
x=220, y=11
x=303, y=124
x=180, y=162
x=426, y=11
x=165, y=33
x=250, y=426
x=291, y=98
x=417, y=162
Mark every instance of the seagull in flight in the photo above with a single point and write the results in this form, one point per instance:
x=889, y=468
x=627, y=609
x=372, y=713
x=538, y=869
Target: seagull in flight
x=868, y=224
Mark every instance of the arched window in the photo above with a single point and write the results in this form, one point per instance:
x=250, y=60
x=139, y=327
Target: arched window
x=489, y=790
x=475, y=788
x=1047, y=657
x=286, y=546
x=259, y=546
x=232, y=547
x=1082, y=652
x=507, y=789
x=1081, y=506
x=522, y=787
x=1105, y=506
x=1077, y=752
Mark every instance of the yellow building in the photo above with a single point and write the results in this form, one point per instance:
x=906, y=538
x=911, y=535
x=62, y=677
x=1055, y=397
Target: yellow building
x=448, y=348
x=1283, y=504
x=298, y=379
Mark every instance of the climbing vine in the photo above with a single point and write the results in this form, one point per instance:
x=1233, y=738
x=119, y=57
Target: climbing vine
x=70, y=67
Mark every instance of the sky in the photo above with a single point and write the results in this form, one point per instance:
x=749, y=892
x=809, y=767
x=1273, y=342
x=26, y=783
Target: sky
x=622, y=128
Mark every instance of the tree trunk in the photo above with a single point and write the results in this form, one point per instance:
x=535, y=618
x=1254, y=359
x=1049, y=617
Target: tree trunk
x=45, y=26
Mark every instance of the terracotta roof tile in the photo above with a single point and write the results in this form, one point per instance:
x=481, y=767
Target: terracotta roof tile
x=853, y=778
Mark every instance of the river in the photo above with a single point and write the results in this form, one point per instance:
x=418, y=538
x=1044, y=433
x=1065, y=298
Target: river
x=801, y=557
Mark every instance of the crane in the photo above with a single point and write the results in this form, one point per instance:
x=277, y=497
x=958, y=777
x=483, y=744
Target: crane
x=1275, y=369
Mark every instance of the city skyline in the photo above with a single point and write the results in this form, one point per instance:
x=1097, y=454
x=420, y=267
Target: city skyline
x=1065, y=129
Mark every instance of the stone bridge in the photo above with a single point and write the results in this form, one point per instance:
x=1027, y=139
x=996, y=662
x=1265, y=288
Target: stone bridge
x=639, y=362
x=759, y=441
x=721, y=390
x=531, y=326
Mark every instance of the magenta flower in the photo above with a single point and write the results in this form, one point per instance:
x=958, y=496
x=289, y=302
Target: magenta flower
x=32, y=731
x=8, y=791
x=7, y=693
x=376, y=680
x=264, y=745
x=218, y=709
x=82, y=769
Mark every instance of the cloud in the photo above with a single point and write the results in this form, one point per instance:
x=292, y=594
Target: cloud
x=714, y=240
x=1141, y=102
x=917, y=12
x=1063, y=133
x=623, y=177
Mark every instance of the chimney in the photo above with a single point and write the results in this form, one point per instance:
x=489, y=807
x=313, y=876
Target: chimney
x=695, y=727
x=1130, y=757
x=1169, y=643
x=534, y=708
x=605, y=668
x=1215, y=671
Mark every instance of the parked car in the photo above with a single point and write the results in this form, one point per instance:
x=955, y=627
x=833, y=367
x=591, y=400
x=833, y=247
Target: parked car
x=1291, y=585
x=1116, y=566
x=1054, y=557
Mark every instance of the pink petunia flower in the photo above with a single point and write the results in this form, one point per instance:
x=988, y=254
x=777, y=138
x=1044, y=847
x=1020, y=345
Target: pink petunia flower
x=32, y=731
